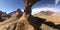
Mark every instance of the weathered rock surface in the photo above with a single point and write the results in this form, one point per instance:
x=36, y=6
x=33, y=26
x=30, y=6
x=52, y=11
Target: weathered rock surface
x=3, y=16
x=10, y=24
x=25, y=21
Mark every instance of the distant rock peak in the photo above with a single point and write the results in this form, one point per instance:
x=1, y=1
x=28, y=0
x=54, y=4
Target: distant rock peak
x=47, y=12
x=4, y=16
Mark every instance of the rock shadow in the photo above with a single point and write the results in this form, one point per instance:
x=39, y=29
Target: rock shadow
x=51, y=24
x=36, y=22
x=1, y=20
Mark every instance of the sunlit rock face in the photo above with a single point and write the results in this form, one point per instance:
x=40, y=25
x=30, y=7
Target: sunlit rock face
x=17, y=11
x=4, y=16
x=10, y=23
x=26, y=21
x=47, y=12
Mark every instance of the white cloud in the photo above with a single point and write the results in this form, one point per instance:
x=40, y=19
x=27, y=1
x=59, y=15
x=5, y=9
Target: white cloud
x=37, y=10
x=22, y=10
x=56, y=2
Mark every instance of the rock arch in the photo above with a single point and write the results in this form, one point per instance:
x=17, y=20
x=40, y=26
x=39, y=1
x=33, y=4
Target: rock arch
x=26, y=15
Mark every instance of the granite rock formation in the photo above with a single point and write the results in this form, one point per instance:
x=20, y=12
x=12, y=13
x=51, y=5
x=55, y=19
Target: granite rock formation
x=19, y=20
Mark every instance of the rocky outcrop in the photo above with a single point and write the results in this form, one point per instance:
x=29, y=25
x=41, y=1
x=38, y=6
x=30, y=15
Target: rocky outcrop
x=26, y=15
x=17, y=11
x=10, y=24
x=47, y=12
x=4, y=16
x=26, y=21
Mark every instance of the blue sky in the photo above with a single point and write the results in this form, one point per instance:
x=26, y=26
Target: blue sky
x=11, y=5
